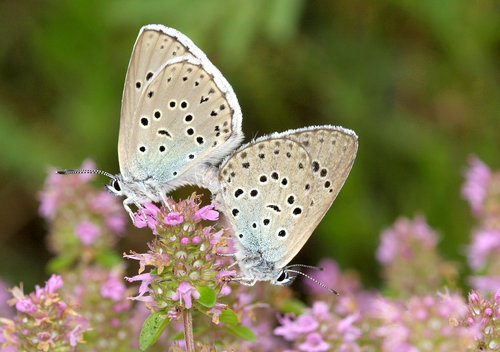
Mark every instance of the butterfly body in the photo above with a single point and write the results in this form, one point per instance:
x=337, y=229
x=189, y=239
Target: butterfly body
x=276, y=190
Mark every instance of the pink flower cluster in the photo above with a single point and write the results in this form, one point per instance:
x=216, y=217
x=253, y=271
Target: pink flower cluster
x=182, y=256
x=44, y=321
x=70, y=199
x=427, y=323
x=483, y=319
x=319, y=330
x=482, y=190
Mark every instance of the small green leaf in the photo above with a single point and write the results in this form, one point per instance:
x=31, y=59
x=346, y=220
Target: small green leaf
x=228, y=317
x=152, y=329
x=207, y=296
x=242, y=332
x=292, y=306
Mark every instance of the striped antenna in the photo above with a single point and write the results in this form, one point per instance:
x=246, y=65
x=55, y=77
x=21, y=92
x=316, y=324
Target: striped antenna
x=71, y=171
x=312, y=279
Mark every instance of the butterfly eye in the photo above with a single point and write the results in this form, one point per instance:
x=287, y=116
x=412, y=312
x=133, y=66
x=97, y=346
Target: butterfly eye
x=283, y=277
x=116, y=185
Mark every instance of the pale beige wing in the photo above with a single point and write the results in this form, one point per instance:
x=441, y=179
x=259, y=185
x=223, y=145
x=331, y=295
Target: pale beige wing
x=185, y=117
x=267, y=188
x=332, y=150
x=155, y=45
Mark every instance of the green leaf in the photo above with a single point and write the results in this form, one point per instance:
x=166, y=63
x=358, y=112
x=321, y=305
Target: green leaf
x=228, y=317
x=108, y=259
x=152, y=329
x=207, y=296
x=242, y=332
x=292, y=306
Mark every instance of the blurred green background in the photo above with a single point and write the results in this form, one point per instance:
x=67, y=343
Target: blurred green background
x=417, y=80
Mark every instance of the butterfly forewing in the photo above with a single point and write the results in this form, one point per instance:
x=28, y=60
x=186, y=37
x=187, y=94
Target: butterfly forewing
x=178, y=111
x=266, y=190
x=154, y=46
x=332, y=151
x=183, y=117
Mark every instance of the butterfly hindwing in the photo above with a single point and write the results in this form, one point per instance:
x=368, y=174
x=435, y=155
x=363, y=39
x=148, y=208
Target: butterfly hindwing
x=265, y=187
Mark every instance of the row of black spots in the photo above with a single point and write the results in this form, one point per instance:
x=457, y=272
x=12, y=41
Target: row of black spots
x=274, y=207
x=291, y=199
x=297, y=211
x=143, y=149
x=172, y=104
x=188, y=118
x=281, y=233
x=266, y=221
x=263, y=179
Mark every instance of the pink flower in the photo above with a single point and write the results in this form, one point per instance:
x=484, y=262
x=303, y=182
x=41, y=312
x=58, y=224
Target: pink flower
x=475, y=188
x=185, y=241
x=75, y=336
x=485, y=283
x=207, y=213
x=25, y=306
x=184, y=293
x=314, y=343
x=349, y=332
x=116, y=223
x=143, y=288
x=396, y=241
x=484, y=242
x=151, y=211
x=87, y=232
x=113, y=288
x=54, y=283
x=173, y=219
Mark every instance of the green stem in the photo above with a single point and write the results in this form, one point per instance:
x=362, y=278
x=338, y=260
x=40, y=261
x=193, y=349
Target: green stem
x=188, y=329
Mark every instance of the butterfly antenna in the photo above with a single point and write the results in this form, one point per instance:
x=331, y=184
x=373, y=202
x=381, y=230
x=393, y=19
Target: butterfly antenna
x=71, y=172
x=312, y=279
x=306, y=266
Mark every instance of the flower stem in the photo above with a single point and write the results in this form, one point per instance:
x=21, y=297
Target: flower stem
x=188, y=329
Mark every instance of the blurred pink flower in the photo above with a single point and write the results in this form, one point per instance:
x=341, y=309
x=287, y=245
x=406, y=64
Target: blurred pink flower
x=396, y=241
x=87, y=232
x=484, y=242
x=184, y=292
x=314, y=343
x=54, y=283
x=475, y=188
x=113, y=288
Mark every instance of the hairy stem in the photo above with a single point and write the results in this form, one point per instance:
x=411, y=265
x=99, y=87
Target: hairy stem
x=188, y=329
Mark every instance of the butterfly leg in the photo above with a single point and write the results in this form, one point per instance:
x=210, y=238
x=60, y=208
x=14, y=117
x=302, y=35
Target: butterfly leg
x=126, y=203
x=164, y=201
x=141, y=209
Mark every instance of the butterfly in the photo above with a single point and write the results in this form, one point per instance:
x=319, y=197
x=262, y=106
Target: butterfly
x=275, y=191
x=179, y=117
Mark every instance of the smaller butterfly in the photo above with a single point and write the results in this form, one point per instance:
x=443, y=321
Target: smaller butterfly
x=179, y=118
x=276, y=190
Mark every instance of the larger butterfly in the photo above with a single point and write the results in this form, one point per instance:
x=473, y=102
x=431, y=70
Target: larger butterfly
x=179, y=117
x=275, y=192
